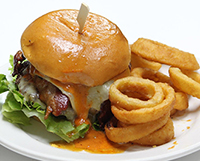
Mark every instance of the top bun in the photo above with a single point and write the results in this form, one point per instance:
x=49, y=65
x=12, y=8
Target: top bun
x=54, y=47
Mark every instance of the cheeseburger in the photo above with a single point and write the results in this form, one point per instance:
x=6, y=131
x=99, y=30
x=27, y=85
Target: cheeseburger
x=67, y=74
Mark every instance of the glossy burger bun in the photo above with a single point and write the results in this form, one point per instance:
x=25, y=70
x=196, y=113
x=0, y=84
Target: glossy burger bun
x=54, y=47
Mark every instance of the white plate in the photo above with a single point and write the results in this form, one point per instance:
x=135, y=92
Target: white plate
x=175, y=23
x=33, y=141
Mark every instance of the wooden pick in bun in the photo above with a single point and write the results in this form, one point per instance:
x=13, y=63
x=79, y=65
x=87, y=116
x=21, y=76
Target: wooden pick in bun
x=54, y=47
x=64, y=76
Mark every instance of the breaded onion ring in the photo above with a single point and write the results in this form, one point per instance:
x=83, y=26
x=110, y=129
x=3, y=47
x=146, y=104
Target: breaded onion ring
x=151, y=74
x=155, y=51
x=133, y=84
x=144, y=115
x=133, y=132
x=187, y=81
x=158, y=137
x=181, y=101
x=138, y=61
x=181, y=97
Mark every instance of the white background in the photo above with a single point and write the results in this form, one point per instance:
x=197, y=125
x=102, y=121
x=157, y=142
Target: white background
x=175, y=23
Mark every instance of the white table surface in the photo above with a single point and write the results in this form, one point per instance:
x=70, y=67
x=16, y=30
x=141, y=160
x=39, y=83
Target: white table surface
x=155, y=19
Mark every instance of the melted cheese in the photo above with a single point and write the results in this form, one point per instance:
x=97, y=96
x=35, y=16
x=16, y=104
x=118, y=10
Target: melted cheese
x=29, y=92
x=77, y=95
x=83, y=98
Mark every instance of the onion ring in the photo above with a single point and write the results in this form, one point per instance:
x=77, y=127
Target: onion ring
x=144, y=115
x=159, y=137
x=186, y=81
x=155, y=51
x=117, y=97
x=151, y=74
x=181, y=97
x=133, y=132
x=138, y=61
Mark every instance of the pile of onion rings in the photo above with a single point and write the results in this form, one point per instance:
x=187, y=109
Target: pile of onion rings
x=181, y=72
x=143, y=102
x=143, y=116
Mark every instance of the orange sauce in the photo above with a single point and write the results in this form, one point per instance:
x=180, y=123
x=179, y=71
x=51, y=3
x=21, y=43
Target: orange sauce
x=175, y=143
x=171, y=147
x=80, y=93
x=93, y=142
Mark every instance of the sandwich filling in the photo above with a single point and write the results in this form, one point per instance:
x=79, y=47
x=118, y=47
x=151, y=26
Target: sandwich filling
x=74, y=101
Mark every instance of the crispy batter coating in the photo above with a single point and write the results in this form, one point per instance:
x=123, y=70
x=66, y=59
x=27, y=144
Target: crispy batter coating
x=181, y=102
x=187, y=81
x=138, y=61
x=126, y=133
x=159, y=137
x=156, y=51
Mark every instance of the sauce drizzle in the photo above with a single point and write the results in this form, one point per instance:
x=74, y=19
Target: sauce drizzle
x=93, y=142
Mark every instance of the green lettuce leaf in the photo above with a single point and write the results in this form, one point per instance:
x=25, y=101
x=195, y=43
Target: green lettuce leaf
x=3, y=84
x=18, y=111
x=60, y=127
x=11, y=110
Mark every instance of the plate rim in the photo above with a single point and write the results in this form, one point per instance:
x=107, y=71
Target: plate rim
x=35, y=155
